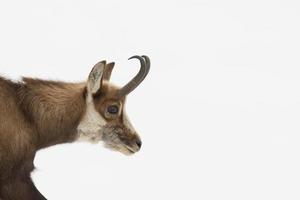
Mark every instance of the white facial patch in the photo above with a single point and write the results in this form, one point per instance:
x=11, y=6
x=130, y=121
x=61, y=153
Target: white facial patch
x=89, y=129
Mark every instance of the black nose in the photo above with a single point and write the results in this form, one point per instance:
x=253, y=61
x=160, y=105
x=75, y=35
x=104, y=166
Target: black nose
x=139, y=143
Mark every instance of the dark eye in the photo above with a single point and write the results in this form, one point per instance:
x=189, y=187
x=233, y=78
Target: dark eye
x=113, y=109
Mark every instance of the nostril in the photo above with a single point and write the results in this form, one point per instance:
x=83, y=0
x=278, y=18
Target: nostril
x=139, y=143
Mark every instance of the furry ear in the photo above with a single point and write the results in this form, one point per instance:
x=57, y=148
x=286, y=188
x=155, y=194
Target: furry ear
x=95, y=77
x=107, y=72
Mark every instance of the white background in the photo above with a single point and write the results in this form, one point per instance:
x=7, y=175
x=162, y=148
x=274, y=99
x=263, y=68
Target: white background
x=218, y=114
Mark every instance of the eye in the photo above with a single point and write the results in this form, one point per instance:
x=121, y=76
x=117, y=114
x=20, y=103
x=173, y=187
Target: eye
x=113, y=109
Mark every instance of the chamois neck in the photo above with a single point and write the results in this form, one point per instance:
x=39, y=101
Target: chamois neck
x=53, y=108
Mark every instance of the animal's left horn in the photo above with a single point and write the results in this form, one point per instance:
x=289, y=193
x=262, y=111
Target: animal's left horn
x=144, y=70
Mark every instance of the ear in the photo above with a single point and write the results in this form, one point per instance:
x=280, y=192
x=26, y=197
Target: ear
x=95, y=77
x=107, y=71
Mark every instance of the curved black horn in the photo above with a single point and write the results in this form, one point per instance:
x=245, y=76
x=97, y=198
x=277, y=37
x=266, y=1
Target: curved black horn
x=144, y=69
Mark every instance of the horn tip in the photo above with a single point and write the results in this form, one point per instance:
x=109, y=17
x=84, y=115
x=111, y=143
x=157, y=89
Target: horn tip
x=136, y=56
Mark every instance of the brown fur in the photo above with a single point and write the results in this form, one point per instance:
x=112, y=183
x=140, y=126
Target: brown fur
x=34, y=114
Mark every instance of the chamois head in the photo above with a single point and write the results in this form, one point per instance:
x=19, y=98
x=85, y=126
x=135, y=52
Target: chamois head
x=105, y=118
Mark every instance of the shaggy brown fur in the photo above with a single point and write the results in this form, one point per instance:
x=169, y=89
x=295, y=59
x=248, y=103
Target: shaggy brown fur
x=34, y=114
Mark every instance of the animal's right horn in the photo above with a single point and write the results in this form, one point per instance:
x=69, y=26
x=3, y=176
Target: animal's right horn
x=144, y=70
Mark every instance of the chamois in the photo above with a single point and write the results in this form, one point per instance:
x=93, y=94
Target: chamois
x=35, y=114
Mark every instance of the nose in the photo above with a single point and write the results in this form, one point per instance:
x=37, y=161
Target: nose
x=139, y=143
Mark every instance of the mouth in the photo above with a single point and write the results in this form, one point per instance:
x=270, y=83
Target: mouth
x=123, y=149
x=130, y=150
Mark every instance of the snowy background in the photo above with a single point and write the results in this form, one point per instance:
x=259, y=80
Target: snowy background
x=218, y=114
